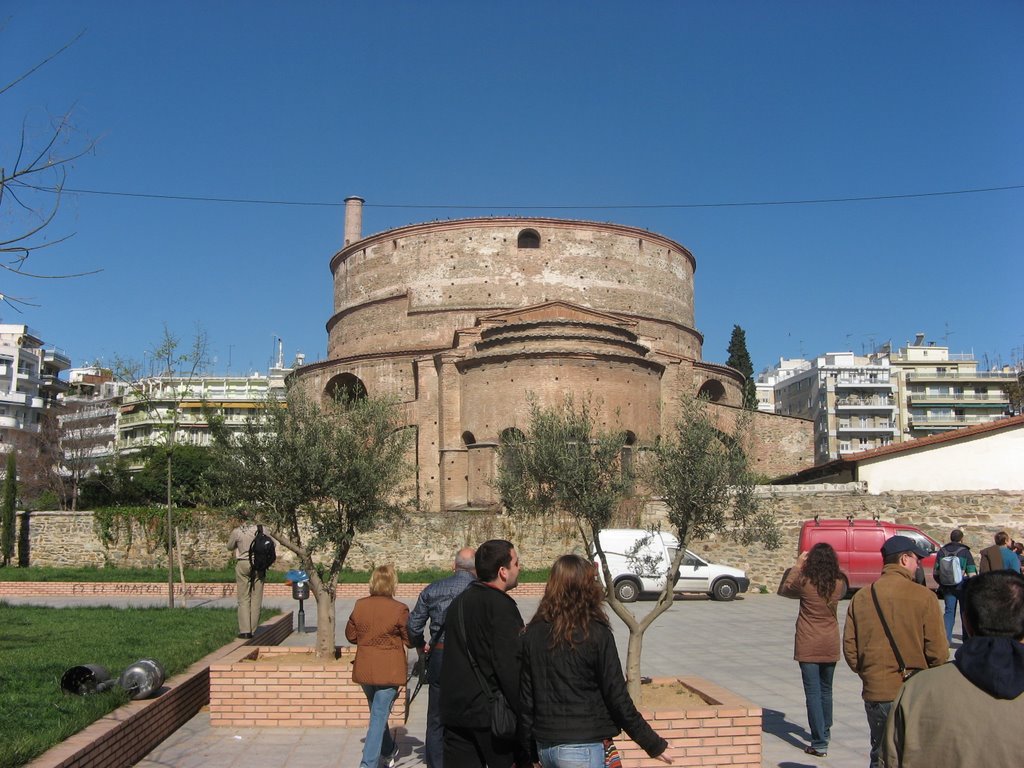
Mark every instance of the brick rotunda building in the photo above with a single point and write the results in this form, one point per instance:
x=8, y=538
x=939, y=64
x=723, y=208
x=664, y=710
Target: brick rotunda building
x=462, y=320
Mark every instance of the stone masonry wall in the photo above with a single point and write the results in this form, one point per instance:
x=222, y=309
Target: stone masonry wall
x=69, y=539
x=979, y=515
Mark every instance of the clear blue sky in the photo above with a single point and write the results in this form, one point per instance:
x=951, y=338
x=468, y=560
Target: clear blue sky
x=518, y=106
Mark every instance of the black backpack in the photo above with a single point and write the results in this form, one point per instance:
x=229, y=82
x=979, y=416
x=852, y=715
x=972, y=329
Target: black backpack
x=261, y=553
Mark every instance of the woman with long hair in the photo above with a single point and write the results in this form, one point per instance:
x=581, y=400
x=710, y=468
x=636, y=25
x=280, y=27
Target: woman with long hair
x=574, y=696
x=378, y=628
x=816, y=581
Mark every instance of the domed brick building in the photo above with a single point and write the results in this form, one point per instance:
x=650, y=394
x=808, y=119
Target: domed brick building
x=461, y=320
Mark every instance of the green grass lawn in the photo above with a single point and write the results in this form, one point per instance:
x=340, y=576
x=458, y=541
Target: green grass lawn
x=227, y=575
x=38, y=644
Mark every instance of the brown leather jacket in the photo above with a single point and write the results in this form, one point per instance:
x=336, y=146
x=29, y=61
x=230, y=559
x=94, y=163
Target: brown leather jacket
x=378, y=628
x=817, y=628
x=915, y=620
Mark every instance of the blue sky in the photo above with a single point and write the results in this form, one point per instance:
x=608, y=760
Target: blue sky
x=519, y=106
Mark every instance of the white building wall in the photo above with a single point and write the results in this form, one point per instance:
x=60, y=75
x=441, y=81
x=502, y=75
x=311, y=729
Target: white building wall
x=988, y=462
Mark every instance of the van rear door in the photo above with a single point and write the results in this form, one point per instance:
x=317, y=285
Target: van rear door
x=866, y=555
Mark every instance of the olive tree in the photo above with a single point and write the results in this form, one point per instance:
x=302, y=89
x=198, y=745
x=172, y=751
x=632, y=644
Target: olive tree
x=318, y=474
x=566, y=462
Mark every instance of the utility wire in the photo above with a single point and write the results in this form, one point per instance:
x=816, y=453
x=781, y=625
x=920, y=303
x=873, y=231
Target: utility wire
x=621, y=206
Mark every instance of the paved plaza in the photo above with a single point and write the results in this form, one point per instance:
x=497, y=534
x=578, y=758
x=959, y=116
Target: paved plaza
x=745, y=645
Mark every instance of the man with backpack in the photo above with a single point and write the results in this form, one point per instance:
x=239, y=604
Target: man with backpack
x=254, y=553
x=954, y=563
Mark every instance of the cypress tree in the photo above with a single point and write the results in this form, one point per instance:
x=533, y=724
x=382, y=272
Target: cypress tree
x=7, y=505
x=739, y=358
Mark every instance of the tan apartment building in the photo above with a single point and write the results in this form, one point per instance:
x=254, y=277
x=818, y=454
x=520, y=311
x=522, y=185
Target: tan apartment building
x=940, y=391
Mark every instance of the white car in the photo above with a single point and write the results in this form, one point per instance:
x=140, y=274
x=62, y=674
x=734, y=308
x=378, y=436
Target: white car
x=639, y=559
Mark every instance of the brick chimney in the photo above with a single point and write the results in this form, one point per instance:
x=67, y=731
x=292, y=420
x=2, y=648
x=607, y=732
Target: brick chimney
x=353, y=219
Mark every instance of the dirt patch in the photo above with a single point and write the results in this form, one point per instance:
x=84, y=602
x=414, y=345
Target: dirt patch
x=670, y=696
x=296, y=658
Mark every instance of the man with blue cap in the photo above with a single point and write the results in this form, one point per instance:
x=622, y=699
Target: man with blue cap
x=893, y=629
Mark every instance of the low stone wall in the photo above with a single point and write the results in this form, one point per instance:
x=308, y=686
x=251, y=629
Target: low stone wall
x=69, y=538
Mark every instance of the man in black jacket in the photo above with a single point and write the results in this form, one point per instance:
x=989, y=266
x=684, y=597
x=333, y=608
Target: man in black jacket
x=485, y=622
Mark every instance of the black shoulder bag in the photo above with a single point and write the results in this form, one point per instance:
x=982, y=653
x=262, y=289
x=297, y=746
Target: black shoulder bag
x=905, y=673
x=503, y=718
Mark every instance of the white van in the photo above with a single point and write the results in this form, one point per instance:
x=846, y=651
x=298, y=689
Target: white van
x=639, y=560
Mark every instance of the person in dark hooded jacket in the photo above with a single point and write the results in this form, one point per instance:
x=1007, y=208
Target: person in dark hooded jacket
x=963, y=713
x=573, y=693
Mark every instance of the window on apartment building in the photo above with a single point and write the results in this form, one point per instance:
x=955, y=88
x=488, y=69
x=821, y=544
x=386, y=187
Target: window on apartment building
x=844, y=446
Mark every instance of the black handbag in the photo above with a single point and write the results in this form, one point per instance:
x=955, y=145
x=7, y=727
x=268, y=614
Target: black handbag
x=503, y=717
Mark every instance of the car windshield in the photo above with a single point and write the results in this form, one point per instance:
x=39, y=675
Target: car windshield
x=922, y=541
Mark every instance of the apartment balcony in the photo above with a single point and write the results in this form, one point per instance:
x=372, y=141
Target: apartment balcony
x=56, y=358
x=961, y=399
x=951, y=421
x=21, y=398
x=88, y=414
x=858, y=428
x=985, y=376
x=865, y=404
x=53, y=383
x=863, y=382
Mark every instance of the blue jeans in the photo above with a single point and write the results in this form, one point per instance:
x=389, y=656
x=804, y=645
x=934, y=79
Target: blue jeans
x=571, y=755
x=878, y=713
x=950, y=596
x=378, y=735
x=817, y=679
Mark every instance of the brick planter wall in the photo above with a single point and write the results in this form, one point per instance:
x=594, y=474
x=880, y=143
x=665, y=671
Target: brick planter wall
x=130, y=732
x=292, y=695
x=726, y=732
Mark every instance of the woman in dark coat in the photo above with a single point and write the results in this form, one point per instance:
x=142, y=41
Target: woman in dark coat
x=378, y=628
x=573, y=694
x=816, y=581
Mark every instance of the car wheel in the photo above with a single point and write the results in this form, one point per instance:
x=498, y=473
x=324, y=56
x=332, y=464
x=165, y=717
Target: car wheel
x=627, y=590
x=724, y=589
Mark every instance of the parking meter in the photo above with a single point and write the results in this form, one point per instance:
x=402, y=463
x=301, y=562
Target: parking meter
x=300, y=591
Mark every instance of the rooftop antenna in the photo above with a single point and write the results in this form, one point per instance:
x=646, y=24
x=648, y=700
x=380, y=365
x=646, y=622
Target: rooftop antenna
x=947, y=334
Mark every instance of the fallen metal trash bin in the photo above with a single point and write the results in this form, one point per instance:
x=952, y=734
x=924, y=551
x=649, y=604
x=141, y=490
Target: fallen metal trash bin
x=142, y=679
x=85, y=679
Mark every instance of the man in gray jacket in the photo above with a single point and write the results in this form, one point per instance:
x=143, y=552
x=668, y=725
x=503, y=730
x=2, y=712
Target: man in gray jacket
x=433, y=605
x=963, y=713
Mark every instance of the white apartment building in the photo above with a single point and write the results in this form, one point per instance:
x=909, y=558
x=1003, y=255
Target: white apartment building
x=850, y=398
x=769, y=377
x=88, y=419
x=30, y=382
x=151, y=406
x=860, y=403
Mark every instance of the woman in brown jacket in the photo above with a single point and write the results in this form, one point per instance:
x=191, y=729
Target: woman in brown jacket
x=817, y=582
x=378, y=628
